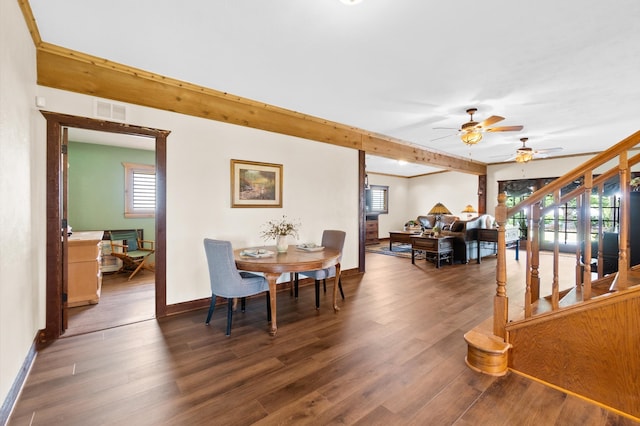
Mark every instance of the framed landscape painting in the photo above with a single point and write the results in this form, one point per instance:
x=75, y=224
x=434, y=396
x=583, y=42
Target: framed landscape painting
x=255, y=184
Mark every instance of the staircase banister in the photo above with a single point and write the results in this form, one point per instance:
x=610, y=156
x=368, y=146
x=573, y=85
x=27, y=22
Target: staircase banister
x=603, y=157
x=622, y=146
x=601, y=178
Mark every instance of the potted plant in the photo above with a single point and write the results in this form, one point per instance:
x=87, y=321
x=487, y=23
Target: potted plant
x=411, y=225
x=436, y=231
x=280, y=230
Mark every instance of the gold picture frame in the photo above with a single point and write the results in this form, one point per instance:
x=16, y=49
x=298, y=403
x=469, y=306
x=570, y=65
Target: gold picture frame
x=255, y=184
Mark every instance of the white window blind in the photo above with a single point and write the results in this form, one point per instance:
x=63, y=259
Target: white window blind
x=144, y=191
x=140, y=190
x=377, y=199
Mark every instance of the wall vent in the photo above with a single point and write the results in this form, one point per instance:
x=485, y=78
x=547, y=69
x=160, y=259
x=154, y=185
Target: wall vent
x=110, y=111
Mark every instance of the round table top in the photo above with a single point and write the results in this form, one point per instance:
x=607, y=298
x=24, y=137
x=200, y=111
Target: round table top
x=293, y=260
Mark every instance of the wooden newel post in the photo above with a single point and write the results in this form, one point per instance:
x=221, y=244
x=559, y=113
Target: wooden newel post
x=500, y=300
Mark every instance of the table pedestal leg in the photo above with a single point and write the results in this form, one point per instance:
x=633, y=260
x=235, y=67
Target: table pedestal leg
x=271, y=279
x=335, y=288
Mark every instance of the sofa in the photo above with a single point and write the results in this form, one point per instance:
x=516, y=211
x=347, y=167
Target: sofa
x=428, y=222
x=465, y=233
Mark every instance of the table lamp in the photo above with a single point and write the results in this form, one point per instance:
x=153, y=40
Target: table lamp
x=438, y=210
x=469, y=210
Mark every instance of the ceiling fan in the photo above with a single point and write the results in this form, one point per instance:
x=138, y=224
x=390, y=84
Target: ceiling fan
x=525, y=154
x=471, y=131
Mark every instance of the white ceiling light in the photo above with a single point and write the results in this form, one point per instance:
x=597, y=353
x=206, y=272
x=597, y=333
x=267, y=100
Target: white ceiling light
x=350, y=2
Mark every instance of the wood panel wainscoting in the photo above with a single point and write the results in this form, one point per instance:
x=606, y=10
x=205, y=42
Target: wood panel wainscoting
x=394, y=354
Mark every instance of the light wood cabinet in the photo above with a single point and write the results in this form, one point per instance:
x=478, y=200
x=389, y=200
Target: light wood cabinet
x=85, y=277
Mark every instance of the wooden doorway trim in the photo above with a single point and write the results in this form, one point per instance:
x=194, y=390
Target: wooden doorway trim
x=55, y=123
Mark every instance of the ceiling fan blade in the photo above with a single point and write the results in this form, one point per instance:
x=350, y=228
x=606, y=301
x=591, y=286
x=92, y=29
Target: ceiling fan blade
x=491, y=120
x=505, y=129
x=442, y=137
x=543, y=151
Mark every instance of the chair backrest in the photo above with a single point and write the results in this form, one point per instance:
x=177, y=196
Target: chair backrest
x=129, y=237
x=334, y=240
x=223, y=274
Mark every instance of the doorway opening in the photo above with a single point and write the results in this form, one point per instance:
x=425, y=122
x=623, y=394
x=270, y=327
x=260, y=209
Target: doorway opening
x=56, y=307
x=110, y=187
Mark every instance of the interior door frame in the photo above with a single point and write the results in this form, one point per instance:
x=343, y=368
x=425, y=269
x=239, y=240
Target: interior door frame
x=55, y=123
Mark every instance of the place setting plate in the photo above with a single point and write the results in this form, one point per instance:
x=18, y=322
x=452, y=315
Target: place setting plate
x=257, y=253
x=309, y=247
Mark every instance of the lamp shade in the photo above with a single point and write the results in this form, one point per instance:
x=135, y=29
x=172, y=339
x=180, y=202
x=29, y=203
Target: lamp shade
x=469, y=209
x=439, y=209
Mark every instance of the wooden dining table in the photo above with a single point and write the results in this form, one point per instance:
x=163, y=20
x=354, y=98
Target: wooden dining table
x=293, y=260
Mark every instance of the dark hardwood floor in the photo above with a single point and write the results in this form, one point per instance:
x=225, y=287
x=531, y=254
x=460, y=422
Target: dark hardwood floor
x=393, y=355
x=121, y=302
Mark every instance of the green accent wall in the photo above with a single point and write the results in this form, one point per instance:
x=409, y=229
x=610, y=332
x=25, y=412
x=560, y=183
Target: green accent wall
x=96, y=188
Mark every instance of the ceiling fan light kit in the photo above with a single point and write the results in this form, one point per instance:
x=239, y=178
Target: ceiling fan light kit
x=471, y=131
x=524, y=156
x=471, y=137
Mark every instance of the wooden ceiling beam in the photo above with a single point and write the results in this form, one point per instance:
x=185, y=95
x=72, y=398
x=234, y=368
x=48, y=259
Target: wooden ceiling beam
x=73, y=71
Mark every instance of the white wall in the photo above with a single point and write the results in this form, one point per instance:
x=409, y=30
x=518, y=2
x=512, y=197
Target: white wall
x=21, y=195
x=412, y=197
x=398, y=195
x=320, y=187
x=453, y=189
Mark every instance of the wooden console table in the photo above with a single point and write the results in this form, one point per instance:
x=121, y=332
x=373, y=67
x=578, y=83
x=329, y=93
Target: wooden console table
x=401, y=237
x=436, y=249
x=511, y=236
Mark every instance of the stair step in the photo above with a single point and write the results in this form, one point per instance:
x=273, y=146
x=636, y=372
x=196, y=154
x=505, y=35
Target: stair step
x=486, y=353
x=633, y=276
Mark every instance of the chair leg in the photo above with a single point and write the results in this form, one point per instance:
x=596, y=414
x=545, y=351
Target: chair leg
x=317, y=294
x=340, y=287
x=243, y=304
x=295, y=285
x=137, y=269
x=229, y=315
x=211, y=307
x=268, y=306
x=324, y=285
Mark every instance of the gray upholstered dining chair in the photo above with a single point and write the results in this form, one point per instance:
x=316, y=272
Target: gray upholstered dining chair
x=331, y=239
x=228, y=282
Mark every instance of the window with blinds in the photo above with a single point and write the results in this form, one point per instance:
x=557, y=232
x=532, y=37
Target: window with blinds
x=140, y=190
x=377, y=199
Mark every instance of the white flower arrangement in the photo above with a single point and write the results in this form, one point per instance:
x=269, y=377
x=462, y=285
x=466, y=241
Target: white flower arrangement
x=274, y=228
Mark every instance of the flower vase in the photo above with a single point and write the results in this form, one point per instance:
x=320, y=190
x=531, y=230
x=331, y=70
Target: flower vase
x=282, y=243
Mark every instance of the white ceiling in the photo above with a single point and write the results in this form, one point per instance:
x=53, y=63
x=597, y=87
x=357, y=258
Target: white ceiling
x=569, y=71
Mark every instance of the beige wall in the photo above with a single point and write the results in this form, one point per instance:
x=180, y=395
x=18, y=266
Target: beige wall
x=21, y=198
